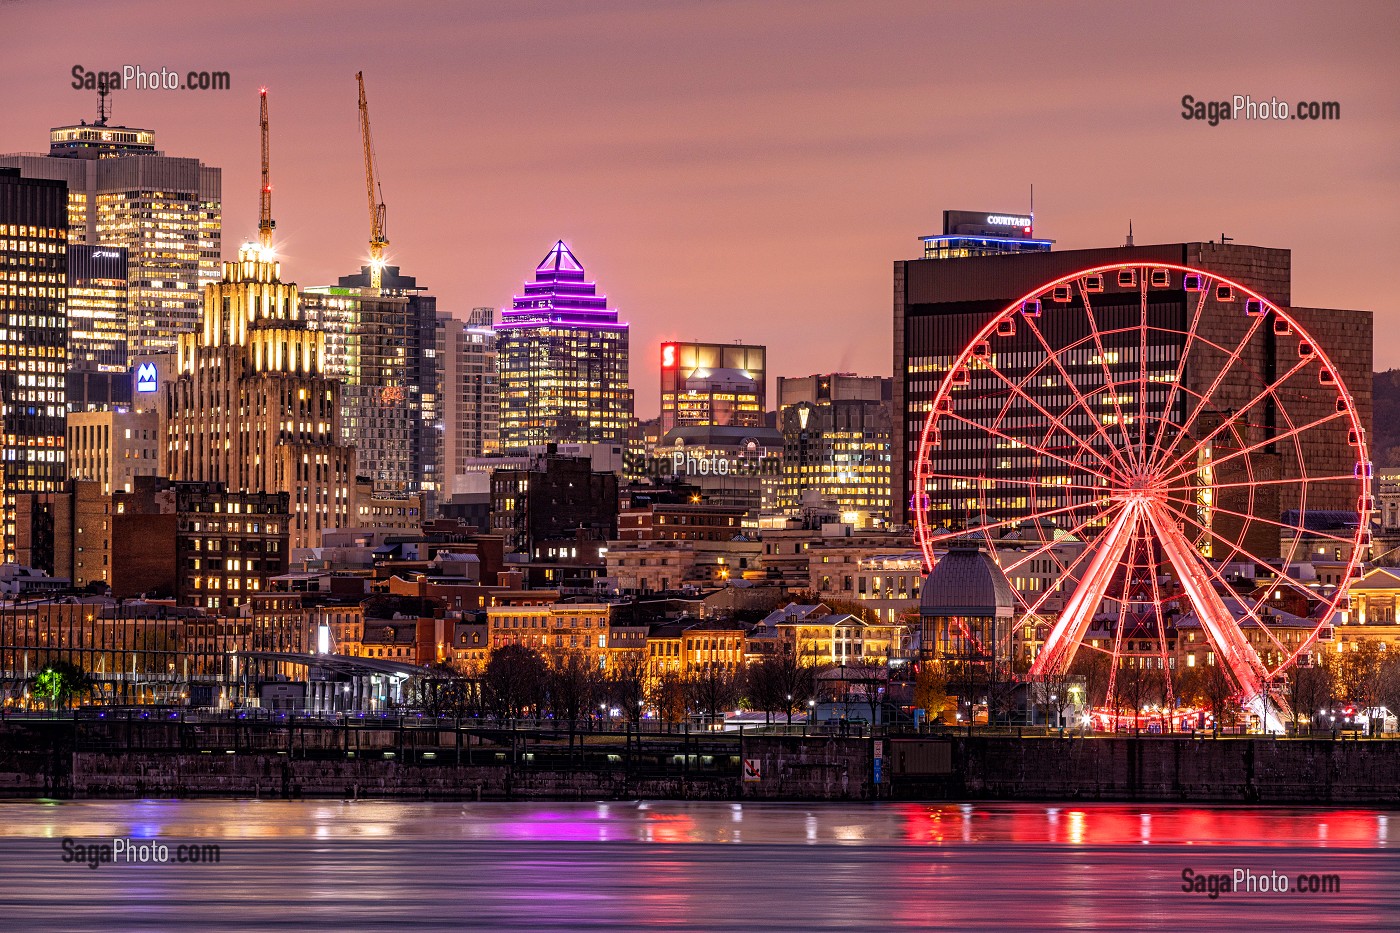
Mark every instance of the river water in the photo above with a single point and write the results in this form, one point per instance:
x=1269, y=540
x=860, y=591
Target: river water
x=689, y=866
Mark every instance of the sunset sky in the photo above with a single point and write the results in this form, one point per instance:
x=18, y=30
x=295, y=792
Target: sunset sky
x=750, y=171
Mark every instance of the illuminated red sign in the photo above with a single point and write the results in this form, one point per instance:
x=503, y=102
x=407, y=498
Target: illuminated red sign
x=668, y=355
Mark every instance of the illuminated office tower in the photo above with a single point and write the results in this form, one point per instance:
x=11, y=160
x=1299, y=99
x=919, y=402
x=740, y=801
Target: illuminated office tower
x=97, y=308
x=366, y=335
x=251, y=406
x=33, y=341
x=836, y=441
x=563, y=357
x=398, y=362
x=466, y=356
x=705, y=384
x=164, y=211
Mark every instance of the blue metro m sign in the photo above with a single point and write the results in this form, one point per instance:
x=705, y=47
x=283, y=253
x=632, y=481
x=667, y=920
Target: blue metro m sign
x=146, y=377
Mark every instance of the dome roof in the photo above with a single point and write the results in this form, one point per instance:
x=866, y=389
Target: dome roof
x=967, y=582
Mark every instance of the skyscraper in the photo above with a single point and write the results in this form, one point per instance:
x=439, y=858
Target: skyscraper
x=367, y=350
x=97, y=308
x=466, y=357
x=251, y=406
x=723, y=384
x=165, y=211
x=563, y=358
x=33, y=341
x=837, y=431
x=397, y=361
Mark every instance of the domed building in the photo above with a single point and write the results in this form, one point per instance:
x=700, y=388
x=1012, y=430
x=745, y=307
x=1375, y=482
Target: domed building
x=965, y=616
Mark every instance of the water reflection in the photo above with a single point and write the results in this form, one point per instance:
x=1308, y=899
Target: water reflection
x=691, y=866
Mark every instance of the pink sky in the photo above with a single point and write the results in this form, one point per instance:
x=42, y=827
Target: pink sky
x=750, y=170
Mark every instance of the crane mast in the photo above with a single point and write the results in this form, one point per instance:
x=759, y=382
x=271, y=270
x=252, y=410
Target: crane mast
x=265, y=221
x=377, y=239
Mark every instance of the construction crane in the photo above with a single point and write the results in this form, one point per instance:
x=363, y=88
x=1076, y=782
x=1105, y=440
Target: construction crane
x=377, y=240
x=265, y=221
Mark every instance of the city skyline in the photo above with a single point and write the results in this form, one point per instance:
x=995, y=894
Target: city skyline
x=740, y=184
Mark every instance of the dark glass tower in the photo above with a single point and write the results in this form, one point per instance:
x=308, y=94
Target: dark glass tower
x=33, y=341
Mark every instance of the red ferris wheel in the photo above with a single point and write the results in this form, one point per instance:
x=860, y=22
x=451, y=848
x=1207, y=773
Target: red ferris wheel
x=1155, y=443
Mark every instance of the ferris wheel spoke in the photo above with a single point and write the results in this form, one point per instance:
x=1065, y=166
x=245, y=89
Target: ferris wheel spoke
x=1078, y=613
x=1285, y=481
x=1077, y=397
x=1267, y=392
x=1157, y=604
x=1106, y=457
x=1176, y=386
x=1129, y=453
x=1235, y=548
x=1143, y=381
x=1020, y=442
x=1065, y=571
x=1096, y=516
x=1260, y=445
x=988, y=527
x=1219, y=379
x=1198, y=582
x=1282, y=526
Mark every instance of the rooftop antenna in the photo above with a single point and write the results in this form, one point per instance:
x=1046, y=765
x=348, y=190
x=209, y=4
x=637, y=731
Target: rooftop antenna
x=102, y=91
x=265, y=221
x=1226, y=239
x=1130, y=232
x=1032, y=208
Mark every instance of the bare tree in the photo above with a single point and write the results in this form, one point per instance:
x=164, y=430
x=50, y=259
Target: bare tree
x=1310, y=689
x=1051, y=692
x=513, y=680
x=869, y=681
x=669, y=693
x=442, y=692
x=1217, y=690
x=572, y=687
x=714, y=689
x=1137, y=686
x=624, y=684
x=1362, y=677
x=1094, y=667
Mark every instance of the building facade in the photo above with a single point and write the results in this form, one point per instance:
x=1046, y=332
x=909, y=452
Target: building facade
x=563, y=360
x=414, y=387
x=228, y=544
x=555, y=499
x=97, y=308
x=166, y=212
x=367, y=352
x=251, y=405
x=470, y=393
x=33, y=342
x=837, y=432
x=113, y=447
x=706, y=384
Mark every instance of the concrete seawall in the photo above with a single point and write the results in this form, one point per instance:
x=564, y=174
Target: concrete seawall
x=46, y=759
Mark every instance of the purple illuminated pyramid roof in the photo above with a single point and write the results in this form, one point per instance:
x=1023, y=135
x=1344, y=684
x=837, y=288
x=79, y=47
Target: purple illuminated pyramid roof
x=559, y=259
x=560, y=295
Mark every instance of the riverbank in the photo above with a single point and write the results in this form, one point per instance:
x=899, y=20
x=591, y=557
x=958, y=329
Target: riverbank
x=414, y=759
